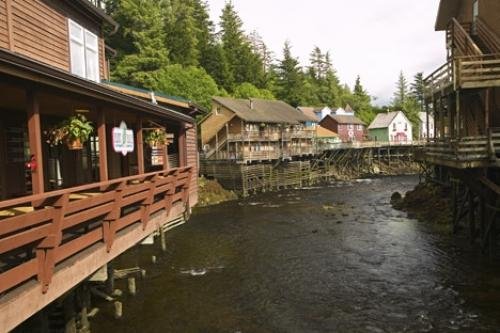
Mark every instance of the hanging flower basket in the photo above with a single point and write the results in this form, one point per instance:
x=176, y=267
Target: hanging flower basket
x=75, y=144
x=156, y=138
x=74, y=131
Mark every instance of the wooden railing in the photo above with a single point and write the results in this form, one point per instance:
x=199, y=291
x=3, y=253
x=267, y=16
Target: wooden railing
x=490, y=39
x=462, y=42
x=478, y=71
x=40, y=231
x=439, y=80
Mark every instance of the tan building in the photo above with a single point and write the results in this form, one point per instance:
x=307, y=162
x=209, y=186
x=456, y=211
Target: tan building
x=255, y=130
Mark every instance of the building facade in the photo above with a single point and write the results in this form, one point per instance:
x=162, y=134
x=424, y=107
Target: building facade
x=348, y=127
x=63, y=195
x=255, y=130
x=426, y=126
x=392, y=127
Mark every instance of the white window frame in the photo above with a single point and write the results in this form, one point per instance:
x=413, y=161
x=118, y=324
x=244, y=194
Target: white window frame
x=85, y=51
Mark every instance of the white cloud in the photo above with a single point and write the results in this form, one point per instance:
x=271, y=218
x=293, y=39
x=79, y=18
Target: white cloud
x=373, y=38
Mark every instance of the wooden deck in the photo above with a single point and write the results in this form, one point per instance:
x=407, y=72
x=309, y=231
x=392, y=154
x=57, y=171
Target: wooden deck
x=39, y=233
x=463, y=153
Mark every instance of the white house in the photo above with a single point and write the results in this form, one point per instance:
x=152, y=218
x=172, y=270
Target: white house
x=423, y=126
x=393, y=127
x=348, y=111
x=318, y=112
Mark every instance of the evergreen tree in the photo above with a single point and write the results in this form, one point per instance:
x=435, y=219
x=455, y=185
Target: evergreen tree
x=402, y=92
x=242, y=63
x=417, y=89
x=248, y=90
x=140, y=42
x=182, y=32
x=290, y=81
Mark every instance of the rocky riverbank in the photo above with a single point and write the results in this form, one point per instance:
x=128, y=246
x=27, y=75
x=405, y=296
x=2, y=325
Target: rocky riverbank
x=428, y=201
x=382, y=168
x=212, y=193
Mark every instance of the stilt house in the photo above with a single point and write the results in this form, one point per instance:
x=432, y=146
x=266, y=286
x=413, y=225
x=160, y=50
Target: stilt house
x=71, y=202
x=255, y=130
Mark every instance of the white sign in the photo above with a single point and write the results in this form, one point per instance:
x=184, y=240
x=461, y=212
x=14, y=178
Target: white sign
x=123, y=139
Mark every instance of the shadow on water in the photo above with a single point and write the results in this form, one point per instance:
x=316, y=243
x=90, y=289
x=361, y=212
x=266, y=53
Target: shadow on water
x=332, y=259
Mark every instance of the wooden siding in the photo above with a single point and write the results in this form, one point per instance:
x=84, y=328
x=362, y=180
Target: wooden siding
x=39, y=30
x=214, y=123
x=4, y=34
x=192, y=161
x=489, y=11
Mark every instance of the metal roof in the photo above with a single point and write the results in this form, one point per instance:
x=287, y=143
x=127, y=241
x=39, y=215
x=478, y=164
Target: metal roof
x=383, y=120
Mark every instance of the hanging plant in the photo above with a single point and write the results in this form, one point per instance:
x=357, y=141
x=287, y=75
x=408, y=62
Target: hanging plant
x=156, y=138
x=74, y=131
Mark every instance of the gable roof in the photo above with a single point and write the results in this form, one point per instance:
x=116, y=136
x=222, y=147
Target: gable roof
x=264, y=111
x=312, y=112
x=383, y=120
x=322, y=132
x=345, y=119
x=447, y=10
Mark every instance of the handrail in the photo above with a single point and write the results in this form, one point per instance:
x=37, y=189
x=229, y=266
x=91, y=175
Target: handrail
x=66, y=222
x=487, y=36
x=462, y=41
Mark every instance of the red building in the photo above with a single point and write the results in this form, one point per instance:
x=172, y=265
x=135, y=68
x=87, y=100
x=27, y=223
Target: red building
x=348, y=127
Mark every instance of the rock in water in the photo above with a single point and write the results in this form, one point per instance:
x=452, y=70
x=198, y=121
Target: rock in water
x=396, y=198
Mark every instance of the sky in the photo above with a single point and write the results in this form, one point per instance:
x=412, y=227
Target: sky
x=375, y=39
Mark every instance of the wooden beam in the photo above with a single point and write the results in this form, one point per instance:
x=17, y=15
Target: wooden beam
x=103, y=148
x=457, y=114
x=139, y=138
x=487, y=110
x=182, y=146
x=35, y=140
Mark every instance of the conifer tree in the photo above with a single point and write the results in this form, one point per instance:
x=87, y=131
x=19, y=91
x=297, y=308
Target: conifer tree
x=182, y=33
x=290, y=81
x=140, y=42
x=417, y=89
x=402, y=93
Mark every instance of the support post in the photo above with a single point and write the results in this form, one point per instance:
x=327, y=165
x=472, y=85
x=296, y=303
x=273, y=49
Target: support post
x=472, y=217
x=35, y=140
x=182, y=146
x=103, y=154
x=487, y=110
x=139, y=138
x=457, y=115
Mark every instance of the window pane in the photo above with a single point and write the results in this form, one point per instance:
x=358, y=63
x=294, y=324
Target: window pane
x=92, y=65
x=77, y=59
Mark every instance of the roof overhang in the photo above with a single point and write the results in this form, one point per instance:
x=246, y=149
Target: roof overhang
x=40, y=74
x=448, y=9
x=93, y=11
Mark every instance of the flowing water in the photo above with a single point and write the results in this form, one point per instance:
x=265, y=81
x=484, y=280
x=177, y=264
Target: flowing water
x=332, y=259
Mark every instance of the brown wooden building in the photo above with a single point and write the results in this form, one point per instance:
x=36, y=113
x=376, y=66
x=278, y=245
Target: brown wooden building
x=255, y=130
x=463, y=96
x=68, y=212
x=348, y=127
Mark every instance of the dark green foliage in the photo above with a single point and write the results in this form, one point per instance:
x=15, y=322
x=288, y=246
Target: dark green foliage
x=407, y=101
x=290, y=81
x=140, y=42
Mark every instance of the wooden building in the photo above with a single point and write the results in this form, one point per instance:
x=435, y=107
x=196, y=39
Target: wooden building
x=392, y=127
x=463, y=96
x=255, y=130
x=69, y=207
x=348, y=127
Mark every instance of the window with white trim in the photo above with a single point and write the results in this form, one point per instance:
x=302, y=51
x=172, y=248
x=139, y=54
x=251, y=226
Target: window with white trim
x=84, y=51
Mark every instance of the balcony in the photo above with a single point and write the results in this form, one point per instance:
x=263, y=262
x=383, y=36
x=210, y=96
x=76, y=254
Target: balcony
x=468, y=67
x=463, y=153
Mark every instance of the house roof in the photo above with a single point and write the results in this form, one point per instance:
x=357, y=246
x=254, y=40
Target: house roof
x=95, y=11
x=383, y=120
x=447, y=10
x=349, y=109
x=322, y=132
x=311, y=112
x=25, y=68
x=346, y=119
x=264, y=111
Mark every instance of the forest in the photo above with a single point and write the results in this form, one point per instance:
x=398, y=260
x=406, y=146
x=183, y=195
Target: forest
x=173, y=46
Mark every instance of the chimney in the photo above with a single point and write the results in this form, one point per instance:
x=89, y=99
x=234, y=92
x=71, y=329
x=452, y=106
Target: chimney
x=251, y=103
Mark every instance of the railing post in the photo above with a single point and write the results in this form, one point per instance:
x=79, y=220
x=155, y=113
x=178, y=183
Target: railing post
x=45, y=251
x=169, y=194
x=109, y=223
x=146, y=205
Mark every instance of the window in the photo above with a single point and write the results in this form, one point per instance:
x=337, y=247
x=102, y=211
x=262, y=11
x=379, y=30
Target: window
x=84, y=50
x=217, y=110
x=360, y=127
x=350, y=126
x=406, y=127
x=394, y=127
